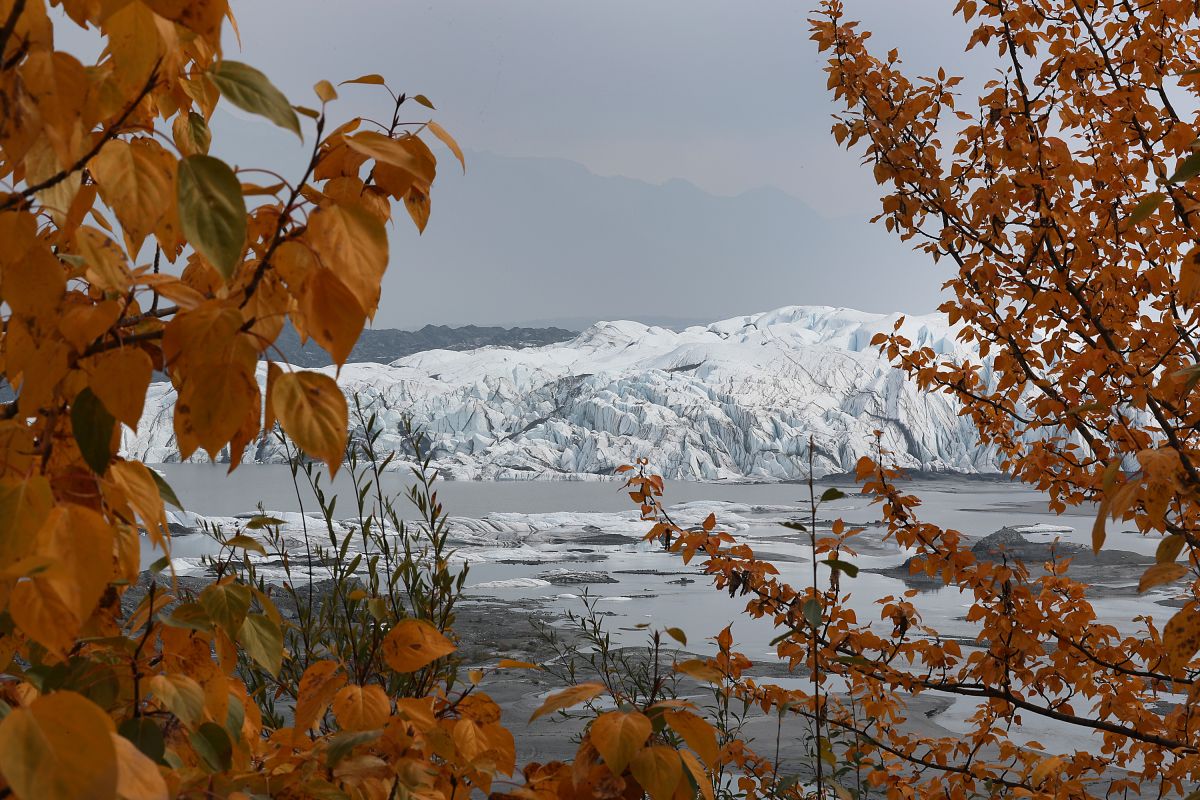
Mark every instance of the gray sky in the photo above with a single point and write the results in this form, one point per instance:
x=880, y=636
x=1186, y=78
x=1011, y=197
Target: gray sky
x=726, y=95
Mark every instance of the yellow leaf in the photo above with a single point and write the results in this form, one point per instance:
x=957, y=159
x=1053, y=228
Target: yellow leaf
x=352, y=243
x=313, y=411
x=1169, y=548
x=508, y=663
x=214, y=417
x=81, y=541
x=82, y=323
x=191, y=135
x=416, y=202
x=33, y=282
x=567, y=698
x=293, y=261
x=59, y=748
x=698, y=734
x=658, y=770
x=204, y=17
x=38, y=611
x=135, y=45
x=107, y=267
x=138, y=778
x=361, y=708
x=143, y=496
x=618, y=735
x=703, y=781
x=1181, y=637
x=448, y=140
x=120, y=379
x=136, y=181
x=24, y=506
x=1045, y=768
x=318, y=686
x=700, y=670
x=325, y=91
x=412, y=644
x=407, y=152
x=372, y=78
x=1161, y=573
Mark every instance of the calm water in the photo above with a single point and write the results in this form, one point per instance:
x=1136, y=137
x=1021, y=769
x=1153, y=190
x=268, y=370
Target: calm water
x=974, y=506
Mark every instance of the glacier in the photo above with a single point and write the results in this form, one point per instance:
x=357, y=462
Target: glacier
x=736, y=400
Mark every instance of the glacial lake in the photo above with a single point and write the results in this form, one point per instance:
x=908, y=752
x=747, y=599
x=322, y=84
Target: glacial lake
x=534, y=545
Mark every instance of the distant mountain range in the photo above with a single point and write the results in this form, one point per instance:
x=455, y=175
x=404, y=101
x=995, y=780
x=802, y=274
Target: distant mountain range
x=384, y=345
x=543, y=241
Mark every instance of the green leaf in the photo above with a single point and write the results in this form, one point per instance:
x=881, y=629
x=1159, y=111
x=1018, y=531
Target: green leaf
x=93, y=428
x=198, y=130
x=1147, y=206
x=857, y=661
x=262, y=521
x=341, y=744
x=235, y=717
x=212, y=211
x=796, y=526
x=832, y=494
x=678, y=635
x=227, y=605
x=164, y=489
x=146, y=736
x=263, y=642
x=159, y=565
x=211, y=743
x=423, y=100
x=192, y=616
x=812, y=611
x=252, y=91
x=837, y=565
x=1188, y=168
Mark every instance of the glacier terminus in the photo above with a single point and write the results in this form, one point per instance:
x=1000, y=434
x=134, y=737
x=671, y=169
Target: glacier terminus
x=735, y=400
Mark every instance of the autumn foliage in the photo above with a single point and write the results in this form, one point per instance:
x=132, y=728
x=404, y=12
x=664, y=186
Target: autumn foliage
x=1065, y=197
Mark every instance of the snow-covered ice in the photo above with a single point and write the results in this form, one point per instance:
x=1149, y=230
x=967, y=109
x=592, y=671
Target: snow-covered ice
x=735, y=400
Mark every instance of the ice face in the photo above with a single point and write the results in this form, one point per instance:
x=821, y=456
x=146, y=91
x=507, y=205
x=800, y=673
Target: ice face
x=735, y=400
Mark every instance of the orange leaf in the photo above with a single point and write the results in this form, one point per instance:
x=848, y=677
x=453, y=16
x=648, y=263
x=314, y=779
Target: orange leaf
x=448, y=140
x=138, y=778
x=698, y=734
x=1160, y=574
x=700, y=670
x=618, y=735
x=312, y=410
x=318, y=686
x=361, y=708
x=59, y=748
x=1181, y=637
x=413, y=644
x=571, y=696
x=658, y=769
x=120, y=379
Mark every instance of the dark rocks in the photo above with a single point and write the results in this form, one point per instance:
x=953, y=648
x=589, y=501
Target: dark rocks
x=572, y=577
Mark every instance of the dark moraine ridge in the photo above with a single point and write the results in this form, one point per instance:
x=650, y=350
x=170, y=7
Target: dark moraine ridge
x=388, y=344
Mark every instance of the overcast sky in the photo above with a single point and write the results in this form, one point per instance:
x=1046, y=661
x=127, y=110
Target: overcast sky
x=728, y=95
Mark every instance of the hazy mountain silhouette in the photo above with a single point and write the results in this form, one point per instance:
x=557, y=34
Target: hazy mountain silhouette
x=522, y=239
